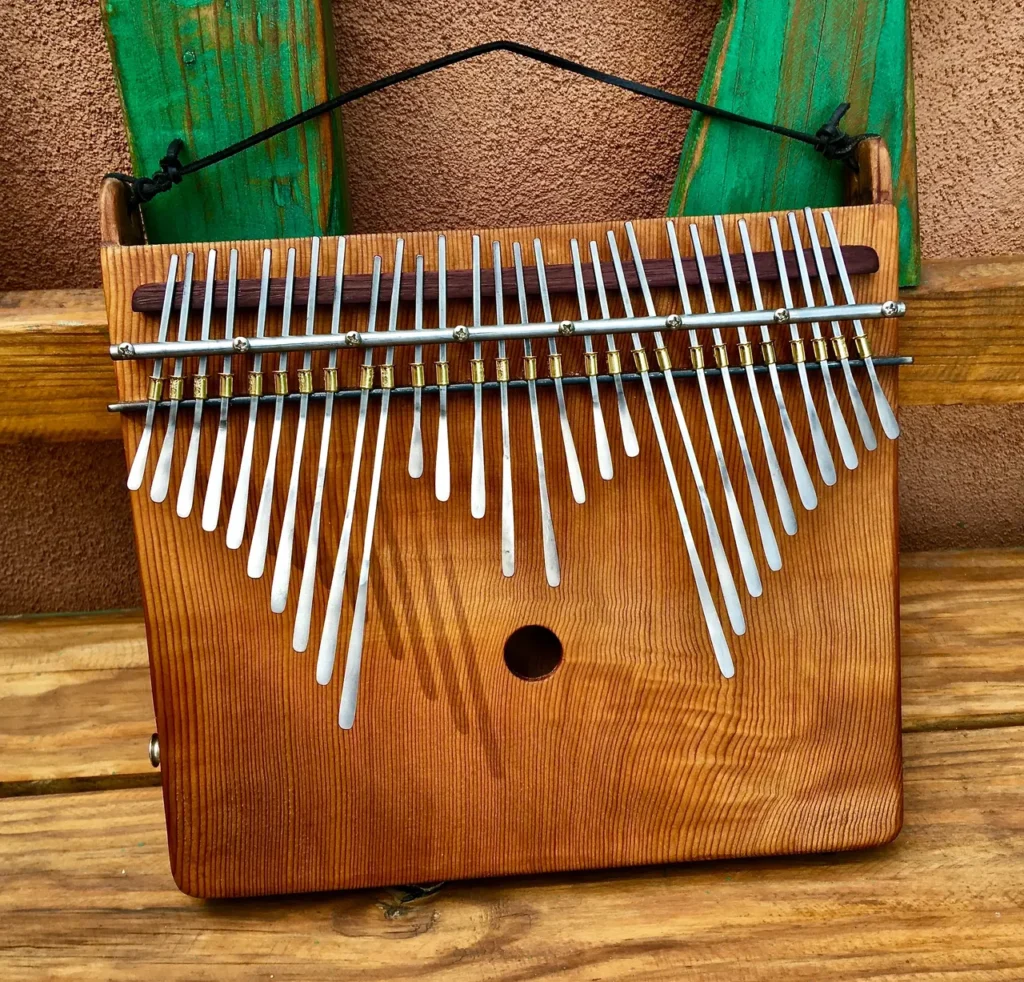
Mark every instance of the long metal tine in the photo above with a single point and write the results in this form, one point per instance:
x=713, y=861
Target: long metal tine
x=711, y=620
x=240, y=501
x=211, y=503
x=764, y=526
x=442, y=465
x=822, y=454
x=782, y=499
x=820, y=346
x=552, y=568
x=867, y=434
x=187, y=488
x=604, y=452
x=332, y=616
x=416, y=437
x=162, y=474
x=354, y=657
x=304, y=610
x=802, y=476
x=478, y=487
x=885, y=414
x=508, y=521
x=261, y=531
x=285, y=543
x=138, y=468
x=629, y=440
x=572, y=461
x=748, y=564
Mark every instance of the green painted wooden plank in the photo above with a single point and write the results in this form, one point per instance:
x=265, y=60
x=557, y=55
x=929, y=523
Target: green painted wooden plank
x=792, y=62
x=212, y=72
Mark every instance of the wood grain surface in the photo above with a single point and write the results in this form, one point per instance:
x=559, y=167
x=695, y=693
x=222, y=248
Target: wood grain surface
x=86, y=894
x=635, y=750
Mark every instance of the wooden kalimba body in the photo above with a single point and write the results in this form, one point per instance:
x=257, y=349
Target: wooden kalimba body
x=636, y=747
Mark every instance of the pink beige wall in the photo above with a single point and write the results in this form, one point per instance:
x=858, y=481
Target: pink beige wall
x=497, y=142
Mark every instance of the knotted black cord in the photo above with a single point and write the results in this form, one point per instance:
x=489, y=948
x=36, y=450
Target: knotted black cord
x=830, y=141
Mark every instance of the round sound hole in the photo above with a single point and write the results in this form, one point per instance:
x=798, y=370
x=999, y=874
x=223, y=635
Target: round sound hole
x=532, y=652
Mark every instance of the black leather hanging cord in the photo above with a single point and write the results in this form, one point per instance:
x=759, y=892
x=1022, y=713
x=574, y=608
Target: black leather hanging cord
x=829, y=140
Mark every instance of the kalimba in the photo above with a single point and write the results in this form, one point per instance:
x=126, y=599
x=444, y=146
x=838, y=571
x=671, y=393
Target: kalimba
x=592, y=523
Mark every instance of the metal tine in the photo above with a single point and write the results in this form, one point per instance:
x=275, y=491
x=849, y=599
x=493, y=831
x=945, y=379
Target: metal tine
x=886, y=416
x=304, y=609
x=782, y=499
x=867, y=434
x=508, y=521
x=261, y=531
x=802, y=476
x=572, y=461
x=748, y=564
x=416, y=438
x=629, y=441
x=354, y=657
x=714, y=625
x=478, y=487
x=764, y=526
x=552, y=568
x=240, y=501
x=286, y=542
x=332, y=616
x=846, y=449
x=604, y=452
x=138, y=468
x=826, y=466
x=211, y=503
x=162, y=474
x=187, y=488
x=442, y=465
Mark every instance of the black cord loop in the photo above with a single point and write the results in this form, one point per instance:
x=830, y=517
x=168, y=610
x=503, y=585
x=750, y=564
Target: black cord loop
x=830, y=141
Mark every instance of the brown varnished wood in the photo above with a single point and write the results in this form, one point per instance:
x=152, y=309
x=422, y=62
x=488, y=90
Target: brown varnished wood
x=870, y=181
x=120, y=221
x=634, y=751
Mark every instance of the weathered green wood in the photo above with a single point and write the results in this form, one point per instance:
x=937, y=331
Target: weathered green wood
x=212, y=72
x=792, y=62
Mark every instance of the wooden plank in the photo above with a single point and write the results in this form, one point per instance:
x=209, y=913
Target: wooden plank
x=86, y=893
x=75, y=699
x=792, y=63
x=212, y=73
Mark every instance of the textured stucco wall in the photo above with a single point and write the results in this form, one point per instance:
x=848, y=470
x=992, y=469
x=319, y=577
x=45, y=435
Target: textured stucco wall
x=497, y=142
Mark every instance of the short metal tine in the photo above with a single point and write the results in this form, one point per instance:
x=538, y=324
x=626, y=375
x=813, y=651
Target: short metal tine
x=867, y=434
x=782, y=499
x=240, y=501
x=261, y=530
x=286, y=541
x=885, y=414
x=764, y=526
x=442, y=465
x=332, y=616
x=354, y=657
x=822, y=454
x=716, y=633
x=802, y=476
x=162, y=475
x=478, y=485
x=604, y=452
x=304, y=609
x=552, y=567
x=416, y=437
x=211, y=503
x=820, y=346
x=572, y=461
x=748, y=564
x=508, y=521
x=629, y=440
x=187, y=488
x=138, y=468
